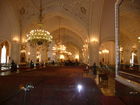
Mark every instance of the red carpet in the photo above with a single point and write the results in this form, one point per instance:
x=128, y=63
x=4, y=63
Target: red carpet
x=53, y=86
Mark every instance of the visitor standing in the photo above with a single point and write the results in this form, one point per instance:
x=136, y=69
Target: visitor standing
x=31, y=64
x=13, y=66
x=94, y=69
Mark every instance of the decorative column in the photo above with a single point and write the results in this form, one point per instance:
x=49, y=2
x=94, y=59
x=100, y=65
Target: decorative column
x=94, y=30
x=44, y=54
x=80, y=57
x=138, y=53
x=93, y=53
x=33, y=54
x=127, y=55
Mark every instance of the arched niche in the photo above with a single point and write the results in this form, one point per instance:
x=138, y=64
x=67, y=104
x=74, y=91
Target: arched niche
x=4, y=51
x=23, y=54
x=107, y=53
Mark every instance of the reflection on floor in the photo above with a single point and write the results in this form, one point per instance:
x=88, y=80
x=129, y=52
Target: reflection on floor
x=8, y=72
x=107, y=87
x=53, y=86
x=5, y=73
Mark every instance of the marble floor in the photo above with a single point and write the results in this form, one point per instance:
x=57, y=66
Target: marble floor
x=106, y=87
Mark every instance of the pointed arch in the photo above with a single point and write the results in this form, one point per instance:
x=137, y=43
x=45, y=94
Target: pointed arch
x=4, y=52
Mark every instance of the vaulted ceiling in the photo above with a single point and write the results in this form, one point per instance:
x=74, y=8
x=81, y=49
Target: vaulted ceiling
x=74, y=15
x=73, y=12
x=77, y=8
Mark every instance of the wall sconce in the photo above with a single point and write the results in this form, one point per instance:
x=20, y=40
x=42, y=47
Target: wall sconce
x=121, y=49
x=24, y=40
x=29, y=53
x=77, y=57
x=85, y=46
x=16, y=39
x=37, y=56
x=100, y=52
x=139, y=39
x=105, y=51
x=94, y=40
x=23, y=51
x=62, y=57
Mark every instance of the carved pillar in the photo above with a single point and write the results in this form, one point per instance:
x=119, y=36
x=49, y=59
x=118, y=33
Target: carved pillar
x=94, y=30
x=93, y=53
x=44, y=54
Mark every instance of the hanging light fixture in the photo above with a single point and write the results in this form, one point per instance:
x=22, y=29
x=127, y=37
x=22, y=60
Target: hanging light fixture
x=39, y=35
x=59, y=47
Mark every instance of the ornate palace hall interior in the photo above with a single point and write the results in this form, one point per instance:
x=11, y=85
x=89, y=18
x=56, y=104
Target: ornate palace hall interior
x=69, y=52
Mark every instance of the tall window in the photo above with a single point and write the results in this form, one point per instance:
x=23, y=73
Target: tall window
x=132, y=60
x=3, y=54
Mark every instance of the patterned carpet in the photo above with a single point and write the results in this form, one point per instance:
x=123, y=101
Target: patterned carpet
x=53, y=86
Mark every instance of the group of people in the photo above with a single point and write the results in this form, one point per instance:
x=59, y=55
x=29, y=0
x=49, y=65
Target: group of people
x=94, y=68
x=101, y=68
x=71, y=63
x=66, y=63
x=13, y=66
x=31, y=64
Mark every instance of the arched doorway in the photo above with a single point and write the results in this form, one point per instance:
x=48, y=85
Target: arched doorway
x=4, y=52
x=106, y=53
x=23, y=54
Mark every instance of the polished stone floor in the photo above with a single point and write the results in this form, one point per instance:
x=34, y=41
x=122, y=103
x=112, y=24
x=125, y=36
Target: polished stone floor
x=54, y=86
x=106, y=87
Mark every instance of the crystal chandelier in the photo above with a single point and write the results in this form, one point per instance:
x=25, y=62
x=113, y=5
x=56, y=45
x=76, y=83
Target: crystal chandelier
x=39, y=35
x=59, y=48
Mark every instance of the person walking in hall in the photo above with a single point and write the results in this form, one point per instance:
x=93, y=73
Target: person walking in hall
x=13, y=66
x=31, y=64
x=101, y=65
x=94, y=68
